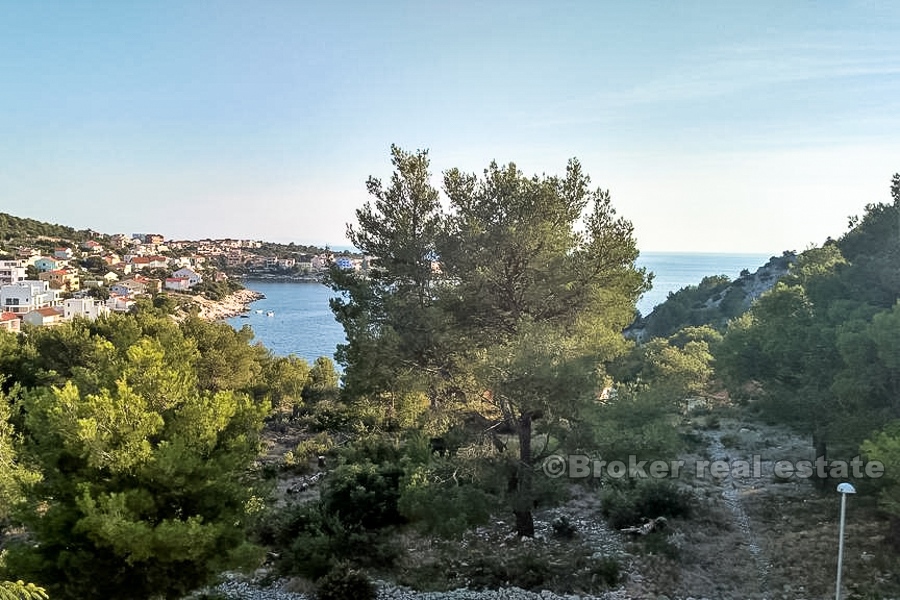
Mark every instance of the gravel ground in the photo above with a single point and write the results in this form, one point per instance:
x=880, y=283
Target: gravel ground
x=239, y=588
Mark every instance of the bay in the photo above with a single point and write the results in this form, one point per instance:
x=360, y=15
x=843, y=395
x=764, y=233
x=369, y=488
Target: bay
x=675, y=270
x=302, y=323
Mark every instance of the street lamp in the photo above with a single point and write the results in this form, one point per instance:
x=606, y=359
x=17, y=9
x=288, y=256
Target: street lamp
x=843, y=489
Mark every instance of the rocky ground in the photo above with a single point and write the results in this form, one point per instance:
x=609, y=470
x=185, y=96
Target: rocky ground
x=753, y=535
x=231, y=306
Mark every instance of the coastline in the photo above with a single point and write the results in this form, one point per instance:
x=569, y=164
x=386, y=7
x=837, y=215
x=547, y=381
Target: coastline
x=285, y=278
x=230, y=306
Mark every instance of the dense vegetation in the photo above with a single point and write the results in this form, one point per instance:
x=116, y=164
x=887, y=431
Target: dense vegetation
x=821, y=351
x=18, y=230
x=715, y=301
x=130, y=440
x=485, y=336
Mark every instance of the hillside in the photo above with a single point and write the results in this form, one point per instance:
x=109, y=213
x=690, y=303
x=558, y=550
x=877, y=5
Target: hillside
x=715, y=301
x=19, y=230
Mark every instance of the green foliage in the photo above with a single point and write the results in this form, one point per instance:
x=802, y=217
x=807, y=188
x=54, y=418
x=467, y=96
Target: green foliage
x=284, y=378
x=23, y=230
x=363, y=496
x=19, y=590
x=631, y=503
x=343, y=582
x=506, y=301
x=444, y=507
x=563, y=528
x=14, y=476
x=322, y=382
x=317, y=445
x=884, y=446
x=142, y=490
x=531, y=569
x=310, y=541
x=217, y=290
x=714, y=302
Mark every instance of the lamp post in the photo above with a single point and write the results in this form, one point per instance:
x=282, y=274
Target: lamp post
x=843, y=489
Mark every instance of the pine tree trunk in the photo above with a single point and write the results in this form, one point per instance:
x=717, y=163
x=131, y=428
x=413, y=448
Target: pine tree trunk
x=523, y=501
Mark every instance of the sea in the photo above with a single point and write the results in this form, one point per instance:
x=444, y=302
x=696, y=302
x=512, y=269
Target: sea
x=295, y=318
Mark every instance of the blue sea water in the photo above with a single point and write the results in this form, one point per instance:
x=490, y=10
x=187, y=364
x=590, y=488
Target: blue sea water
x=675, y=270
x=302, y=323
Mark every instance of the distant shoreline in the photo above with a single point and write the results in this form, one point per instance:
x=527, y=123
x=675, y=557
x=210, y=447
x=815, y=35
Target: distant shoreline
x=285, y=278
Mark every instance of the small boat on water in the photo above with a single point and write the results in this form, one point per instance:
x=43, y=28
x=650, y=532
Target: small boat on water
x=244, y=317
x=259, y=311
x=270, y=313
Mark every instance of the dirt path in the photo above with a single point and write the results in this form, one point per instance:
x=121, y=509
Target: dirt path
x=733, y=488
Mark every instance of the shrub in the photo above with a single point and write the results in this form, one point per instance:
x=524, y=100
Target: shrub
x=342, y=583
x=648, y=499
x=563, y=528
x=363, y=497
x=606, y=571
x=315, y=446
x=446, y=510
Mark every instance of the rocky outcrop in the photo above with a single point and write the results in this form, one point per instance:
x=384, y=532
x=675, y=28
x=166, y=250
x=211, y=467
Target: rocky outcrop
x=712, y=302
x=230, y=306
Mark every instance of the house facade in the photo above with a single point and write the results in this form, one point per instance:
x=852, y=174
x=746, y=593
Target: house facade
x=89, y=308
x=191, y=275
x=49, y=263
x=12, y=271
x=61, y=279
x=25, y=296
x=149, y=262
x=10, y=322
x=44, y=317
x=178, y=284
x=128, y=288
x=119, y=304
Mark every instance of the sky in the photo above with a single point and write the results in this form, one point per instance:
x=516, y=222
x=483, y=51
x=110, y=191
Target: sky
x=716, y=126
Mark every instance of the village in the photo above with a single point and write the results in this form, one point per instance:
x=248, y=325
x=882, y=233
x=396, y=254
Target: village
x=45, y=285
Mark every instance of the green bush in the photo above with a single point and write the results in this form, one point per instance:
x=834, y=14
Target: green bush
x=315, y=446
x=372, y=448
x=649, y=498
x=343, y=583
x=446, y=510
x=605, y=572
x=363, y=496
x=563, y=528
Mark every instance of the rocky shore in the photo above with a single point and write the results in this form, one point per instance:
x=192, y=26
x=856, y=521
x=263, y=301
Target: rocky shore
x=231, y=306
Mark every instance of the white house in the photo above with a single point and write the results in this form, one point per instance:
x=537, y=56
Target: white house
x=178, y=284
x=117, y=303
x=44, y=317
x=89, y=308
x=91, y=246
x=149, y=262
x=27, y=295
x=11, y=271
x=320, y=262
x=63, y=253
x=191, y=275
x=129, y=287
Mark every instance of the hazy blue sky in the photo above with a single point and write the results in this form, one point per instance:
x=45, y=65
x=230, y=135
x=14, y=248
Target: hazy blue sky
x=717, y=126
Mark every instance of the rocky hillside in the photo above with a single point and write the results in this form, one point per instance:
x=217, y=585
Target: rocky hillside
x=715, y=301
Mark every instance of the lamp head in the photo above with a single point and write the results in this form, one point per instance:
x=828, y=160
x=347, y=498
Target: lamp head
x=846, y=488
